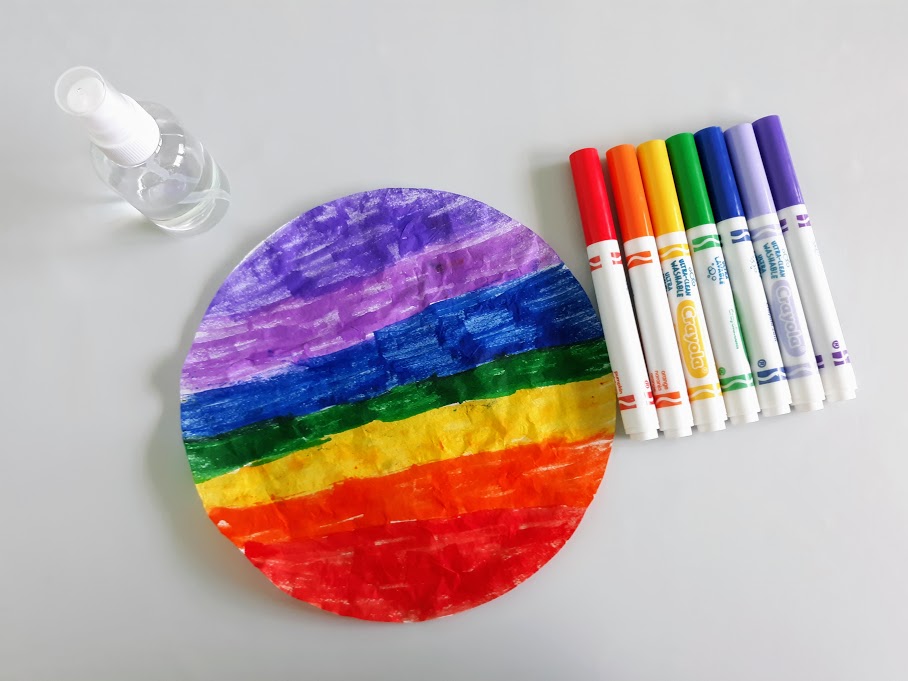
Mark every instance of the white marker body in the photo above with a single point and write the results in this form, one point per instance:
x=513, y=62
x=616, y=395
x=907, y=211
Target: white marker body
x=735, y=376
x=635, y=401
x=788, y=317
x=822, y=320
x=666, y=376
x=755, y=317
x=691, y=333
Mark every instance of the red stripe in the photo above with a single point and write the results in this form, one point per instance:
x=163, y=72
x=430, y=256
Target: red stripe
x=627, y=402
x=419, y=569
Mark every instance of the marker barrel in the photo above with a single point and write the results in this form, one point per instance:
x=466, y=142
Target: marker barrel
x=654, y=317
x=635, y=400
x=774, y=264
x=680, y=283
x=756, y=320
x=832, y=357
x=750, y=298
x=735, y=376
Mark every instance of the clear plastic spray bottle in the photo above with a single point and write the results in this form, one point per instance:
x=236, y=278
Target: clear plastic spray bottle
x=145, y=154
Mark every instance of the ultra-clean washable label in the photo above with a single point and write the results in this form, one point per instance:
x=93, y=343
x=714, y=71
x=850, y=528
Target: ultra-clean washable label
x=680, y=281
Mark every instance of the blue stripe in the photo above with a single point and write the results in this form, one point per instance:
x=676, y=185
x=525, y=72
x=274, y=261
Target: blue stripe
x=543, y=309
x=773, y=375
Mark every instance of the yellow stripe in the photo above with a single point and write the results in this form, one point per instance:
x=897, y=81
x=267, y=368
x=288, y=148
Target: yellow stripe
x=704, y=392
x=673, y=251
x=570, y=412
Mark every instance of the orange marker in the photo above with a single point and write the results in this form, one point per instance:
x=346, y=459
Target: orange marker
x=654, y=316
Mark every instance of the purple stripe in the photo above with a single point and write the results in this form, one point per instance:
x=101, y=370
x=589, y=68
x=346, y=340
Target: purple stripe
x=764, y=232
x=354, y=237
x=231, y=348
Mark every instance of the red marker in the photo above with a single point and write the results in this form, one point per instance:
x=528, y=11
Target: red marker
x=635, y=399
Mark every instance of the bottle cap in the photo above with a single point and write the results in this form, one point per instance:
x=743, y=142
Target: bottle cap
x=123, y=130
x=749, y=172
x=592, y=199
x=718, y=174
x=660, y=187
x=783, y=181
x=692, y=194
x=630, y=200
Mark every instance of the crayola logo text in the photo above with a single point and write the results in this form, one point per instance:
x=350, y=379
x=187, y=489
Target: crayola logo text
x=788, y=328
x=691, y=340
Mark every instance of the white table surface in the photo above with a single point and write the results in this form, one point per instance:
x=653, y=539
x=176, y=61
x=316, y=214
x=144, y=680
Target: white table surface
x=772, y=551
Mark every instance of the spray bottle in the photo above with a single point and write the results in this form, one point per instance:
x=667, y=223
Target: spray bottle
x=145, y=154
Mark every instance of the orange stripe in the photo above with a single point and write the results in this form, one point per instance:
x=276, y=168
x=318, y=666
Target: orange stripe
x=641, y=258
x=668, y=399
x=554, y=473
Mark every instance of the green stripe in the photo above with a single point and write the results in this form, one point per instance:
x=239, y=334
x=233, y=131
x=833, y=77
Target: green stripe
x=738, y=382
x=701, y=243
x=268, y=440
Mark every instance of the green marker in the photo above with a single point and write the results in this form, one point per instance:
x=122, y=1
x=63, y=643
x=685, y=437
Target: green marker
x=735, y=375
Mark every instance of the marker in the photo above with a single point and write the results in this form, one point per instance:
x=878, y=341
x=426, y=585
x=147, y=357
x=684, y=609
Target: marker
x=654, y=317
x=747, y=287
x=822, y=320
x=735, y=376
x=681, y=287
x=635, y=399
x=775, y=270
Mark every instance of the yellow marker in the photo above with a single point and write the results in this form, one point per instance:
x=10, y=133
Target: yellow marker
x=681, y=287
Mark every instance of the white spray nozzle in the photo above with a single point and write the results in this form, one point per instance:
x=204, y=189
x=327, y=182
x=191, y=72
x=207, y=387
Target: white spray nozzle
x=115, y=123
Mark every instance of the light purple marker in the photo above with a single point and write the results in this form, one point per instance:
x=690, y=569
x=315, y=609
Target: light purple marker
x=822, y=320
x=775, y=268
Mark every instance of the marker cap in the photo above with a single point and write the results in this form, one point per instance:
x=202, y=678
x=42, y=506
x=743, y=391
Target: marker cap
x=660, y=187
x=630, y=199
x=692, y=195
x=783, y=181
x=718, y=174
x=749, y=171
x=592, y=199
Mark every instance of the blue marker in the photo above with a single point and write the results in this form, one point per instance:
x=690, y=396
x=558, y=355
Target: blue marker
x=750, y=299
x=774, y=264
